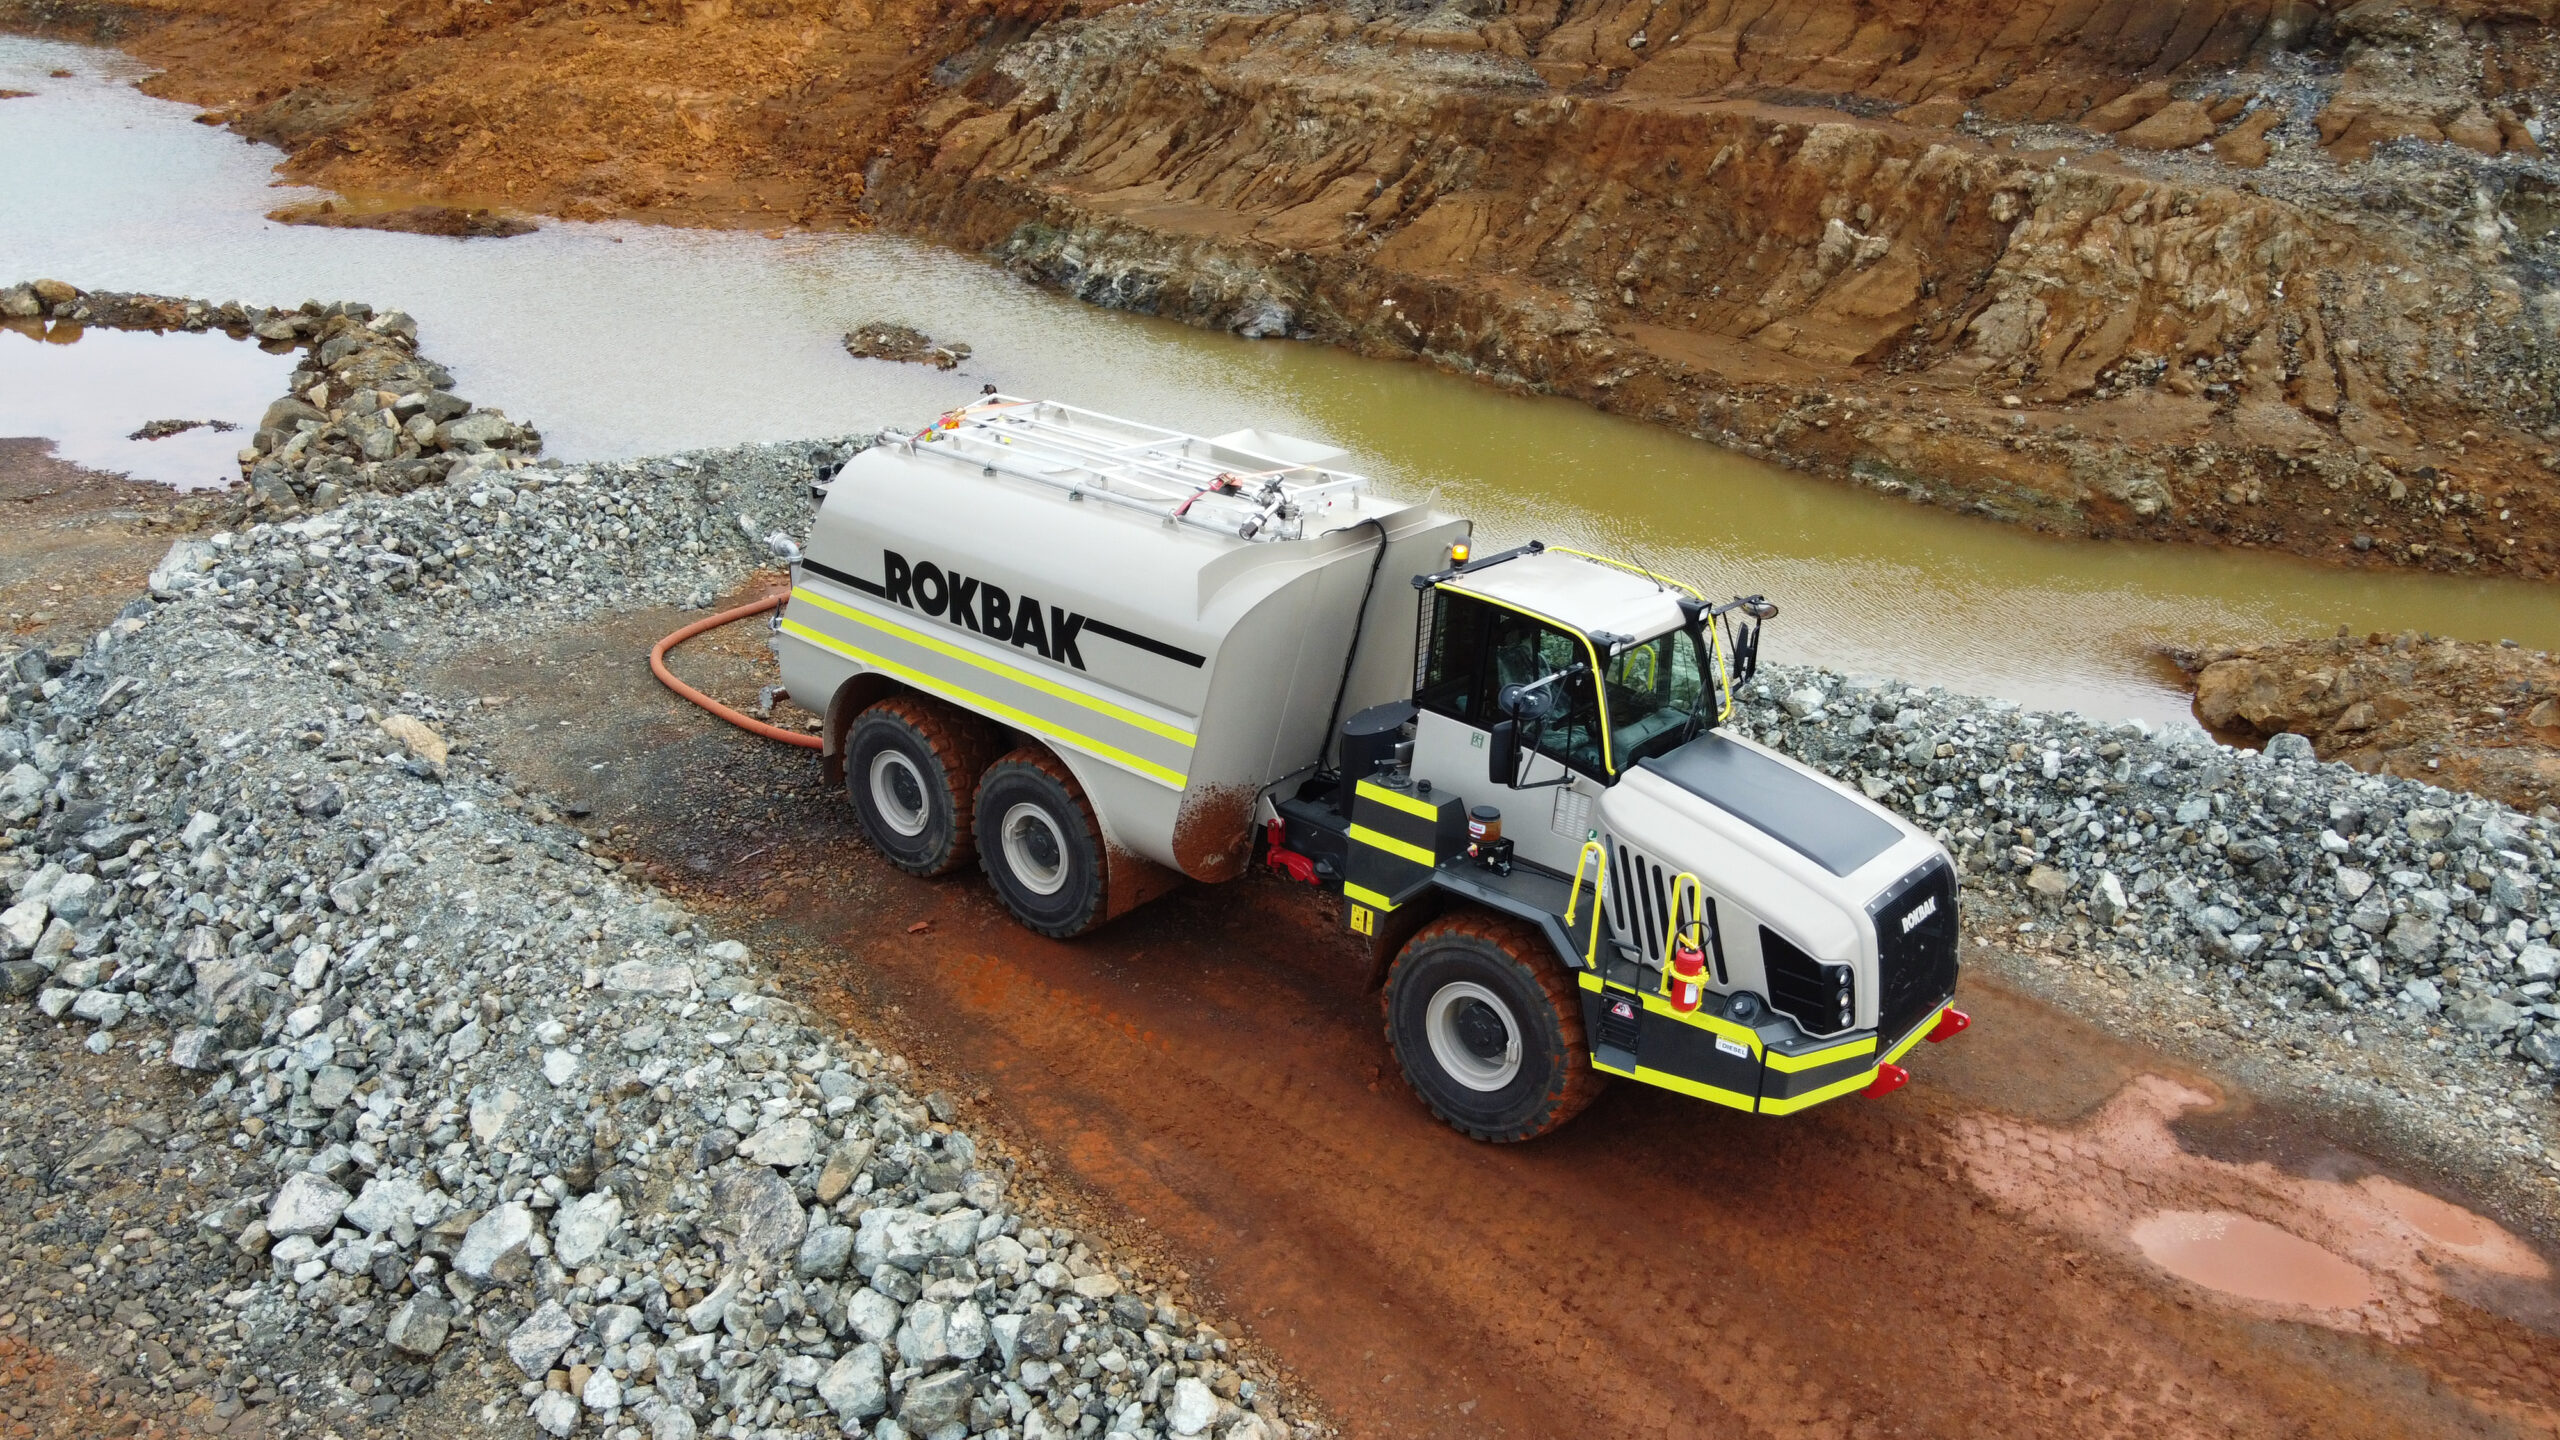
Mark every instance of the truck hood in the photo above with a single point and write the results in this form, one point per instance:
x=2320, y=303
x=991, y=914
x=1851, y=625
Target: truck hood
x=1802, y=811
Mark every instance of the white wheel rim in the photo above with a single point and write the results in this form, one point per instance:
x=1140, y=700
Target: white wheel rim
x=888, y=769
x=1034, y=849
x=1455, y=1023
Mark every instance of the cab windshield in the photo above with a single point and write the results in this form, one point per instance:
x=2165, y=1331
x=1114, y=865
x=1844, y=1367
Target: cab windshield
x=1657, y=696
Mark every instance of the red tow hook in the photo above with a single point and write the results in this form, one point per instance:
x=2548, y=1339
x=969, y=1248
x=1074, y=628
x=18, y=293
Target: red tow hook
x=1278, y=855
x=1889, y=1078
x=1952, y=1022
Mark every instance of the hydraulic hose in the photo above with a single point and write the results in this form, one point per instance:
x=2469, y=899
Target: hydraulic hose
x=658, y=666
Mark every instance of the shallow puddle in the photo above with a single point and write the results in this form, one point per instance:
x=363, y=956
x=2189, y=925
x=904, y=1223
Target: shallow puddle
x=2243, y=1256
x=2370, y=1254
x=92, y=392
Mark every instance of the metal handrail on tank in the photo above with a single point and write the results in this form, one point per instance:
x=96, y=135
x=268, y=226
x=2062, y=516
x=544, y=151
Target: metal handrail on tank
x=1135, y=475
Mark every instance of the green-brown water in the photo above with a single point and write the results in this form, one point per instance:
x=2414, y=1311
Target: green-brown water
x=623, y=339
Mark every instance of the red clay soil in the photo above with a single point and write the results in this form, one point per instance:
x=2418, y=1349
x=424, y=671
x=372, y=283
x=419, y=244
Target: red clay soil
x=1210, y=1071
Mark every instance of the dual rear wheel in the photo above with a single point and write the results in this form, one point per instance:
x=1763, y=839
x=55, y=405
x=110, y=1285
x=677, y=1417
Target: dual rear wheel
x=933, y=795
x=1487, y=1027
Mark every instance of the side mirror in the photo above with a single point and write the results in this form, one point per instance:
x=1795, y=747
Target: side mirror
x=1502, y=754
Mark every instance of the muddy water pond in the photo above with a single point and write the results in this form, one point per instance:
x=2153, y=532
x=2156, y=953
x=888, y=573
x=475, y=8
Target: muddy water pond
x=620, y=339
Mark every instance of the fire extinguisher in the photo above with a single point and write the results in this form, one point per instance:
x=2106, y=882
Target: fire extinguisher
x=1687, y=980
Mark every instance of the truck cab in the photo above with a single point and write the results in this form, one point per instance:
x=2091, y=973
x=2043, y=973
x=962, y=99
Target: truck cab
x=1736, y=927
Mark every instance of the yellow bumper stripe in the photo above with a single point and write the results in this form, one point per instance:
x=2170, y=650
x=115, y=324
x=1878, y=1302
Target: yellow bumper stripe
x=998, y=708
x=1692, y=1088
x=1014, y=673
x=1375, y=840
x=1366, y=896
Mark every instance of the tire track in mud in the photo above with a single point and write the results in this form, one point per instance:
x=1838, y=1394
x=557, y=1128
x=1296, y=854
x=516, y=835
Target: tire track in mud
x=1210, y=1070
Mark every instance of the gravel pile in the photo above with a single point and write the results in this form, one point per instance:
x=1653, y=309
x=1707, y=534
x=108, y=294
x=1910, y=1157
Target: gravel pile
x=2299, y=906
x=488, y=1108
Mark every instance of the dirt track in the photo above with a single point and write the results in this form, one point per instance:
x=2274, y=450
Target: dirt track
x=1210, y=1073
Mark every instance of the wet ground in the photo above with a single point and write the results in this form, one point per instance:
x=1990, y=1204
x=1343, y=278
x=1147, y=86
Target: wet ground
x=1961, y=1258
x=73, y=550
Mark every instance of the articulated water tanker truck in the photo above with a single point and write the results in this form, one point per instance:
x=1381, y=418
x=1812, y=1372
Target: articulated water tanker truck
x=1095, y=659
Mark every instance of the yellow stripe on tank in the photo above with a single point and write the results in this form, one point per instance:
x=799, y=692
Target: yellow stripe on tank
x=1014, y=673
x=1023, y=718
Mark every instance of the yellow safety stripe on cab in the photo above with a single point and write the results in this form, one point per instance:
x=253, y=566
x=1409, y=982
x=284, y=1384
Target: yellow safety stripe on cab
x=1366, y=896
x=1693, y=1088
x=922, y=681
x=1716, y=1024
x=1819, y=1058
x=1599, y=692
x=1397, y=799
x=1363, y=835
x=1014, y=673
x=1832, y=1091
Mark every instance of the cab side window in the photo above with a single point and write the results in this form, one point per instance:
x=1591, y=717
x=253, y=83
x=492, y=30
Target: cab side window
x=1453, y=672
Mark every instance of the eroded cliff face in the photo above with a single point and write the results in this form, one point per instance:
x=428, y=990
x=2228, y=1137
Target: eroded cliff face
x=1843, y=236
x=2273, y=272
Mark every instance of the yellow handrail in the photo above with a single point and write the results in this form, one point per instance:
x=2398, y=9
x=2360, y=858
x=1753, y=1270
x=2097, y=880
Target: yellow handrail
x=1671, y=932
x=1599, y=888
x=1617, y=564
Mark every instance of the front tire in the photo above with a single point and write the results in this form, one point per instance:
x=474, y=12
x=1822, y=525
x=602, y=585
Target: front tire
x=1040, y=845
x=1488, y=1029
x=911, y=767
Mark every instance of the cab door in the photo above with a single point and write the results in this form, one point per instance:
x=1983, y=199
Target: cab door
x=1474, y=649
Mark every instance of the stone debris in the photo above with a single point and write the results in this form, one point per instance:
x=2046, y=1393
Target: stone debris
x=484, y=1089
x=904, y=344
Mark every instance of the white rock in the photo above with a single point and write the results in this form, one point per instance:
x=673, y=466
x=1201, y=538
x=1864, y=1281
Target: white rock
x=784, y=1145
x=583, y=1227
x=201, y=828
x=1101, y=1285
x=2352, y=883
x=559, y=1067
x=2538, y=962
x=467, y=1041
x=102, y=1008
x=856, y=1386
x=492, y=1107
x=872, y=1315
x=21, y=925
x=638, y=977
x=1194, y=1406
x=306, y=1204
x=389, y=1199
x=313, y=964
x=603, y=1392
x=492, y=1239
x=556, y=1412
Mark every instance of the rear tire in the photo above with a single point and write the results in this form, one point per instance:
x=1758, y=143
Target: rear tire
x=1040, y=844
x=1488, y=1028
x=911, y=766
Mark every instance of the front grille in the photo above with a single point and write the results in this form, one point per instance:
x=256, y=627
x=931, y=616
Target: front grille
x=1640, y=891
x=1803, y=988
x=1915, y=960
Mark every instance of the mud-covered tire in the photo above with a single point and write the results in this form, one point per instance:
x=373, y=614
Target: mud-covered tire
x=911, y=768
x=1040, y=845
x=1510, y=1060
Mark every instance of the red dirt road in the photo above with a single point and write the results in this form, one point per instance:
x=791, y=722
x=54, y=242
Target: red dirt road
x=1209, y=1072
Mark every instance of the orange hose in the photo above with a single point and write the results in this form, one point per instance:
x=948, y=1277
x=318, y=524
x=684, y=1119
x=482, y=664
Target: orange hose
x=658, y=667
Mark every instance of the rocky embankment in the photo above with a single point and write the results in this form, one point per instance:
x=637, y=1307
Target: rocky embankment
x=450, y=222
x=2464, y=715
x=2228, y=273
x=364, y=411
x=473, y=1120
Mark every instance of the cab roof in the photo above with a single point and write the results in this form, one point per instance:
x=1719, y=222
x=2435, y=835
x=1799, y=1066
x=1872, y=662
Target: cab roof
x=1572, y=590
